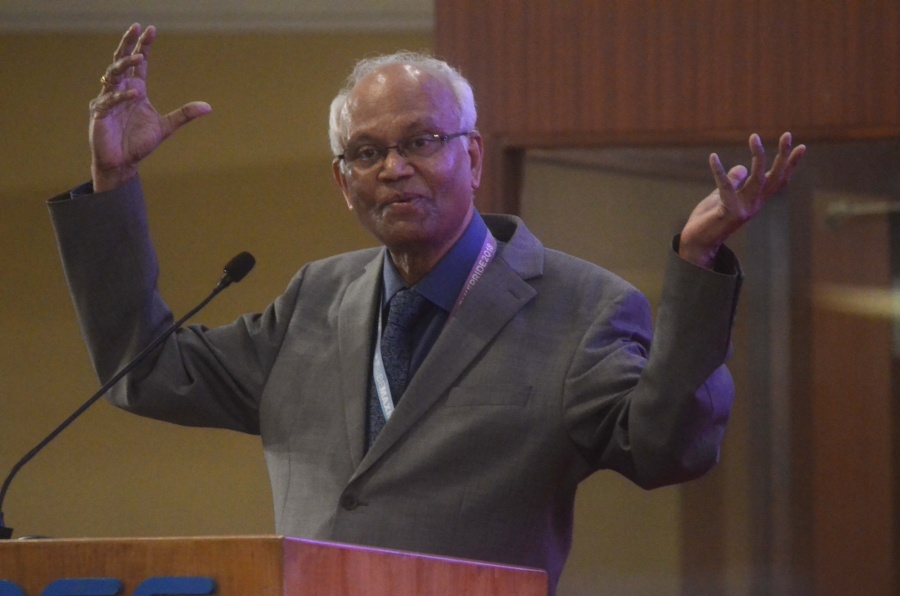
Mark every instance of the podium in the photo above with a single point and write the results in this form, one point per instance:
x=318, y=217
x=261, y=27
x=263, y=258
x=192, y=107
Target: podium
x=256, y=566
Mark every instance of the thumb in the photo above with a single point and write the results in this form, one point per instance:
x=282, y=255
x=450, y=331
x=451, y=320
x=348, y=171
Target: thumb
x=189, y=111
x=737, y=175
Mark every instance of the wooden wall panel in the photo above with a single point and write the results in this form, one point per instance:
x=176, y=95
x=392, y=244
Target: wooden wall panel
x=593, y=73
x=626, y=66
x=563, y=74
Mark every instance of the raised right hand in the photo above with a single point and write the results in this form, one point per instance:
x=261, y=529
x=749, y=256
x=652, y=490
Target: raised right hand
x=124, y=127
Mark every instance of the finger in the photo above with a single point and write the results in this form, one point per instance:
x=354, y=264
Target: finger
x=143, y=49
x=719, y=174
x=787, y=159
x=757, y=175
x=775, y=175
x=126, y=44
x=792, y=157
x=737, y=175
x=189, y=111
x=784, y=149
x=784, y=142
x=115, y=71
x=796, y=155
x=792, y=161
x=105, y=102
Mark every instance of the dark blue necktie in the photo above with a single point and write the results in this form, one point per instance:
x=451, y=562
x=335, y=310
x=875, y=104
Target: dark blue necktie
x=404, y=310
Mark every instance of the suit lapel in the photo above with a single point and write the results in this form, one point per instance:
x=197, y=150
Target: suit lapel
x=494, y=300
x=357, y=312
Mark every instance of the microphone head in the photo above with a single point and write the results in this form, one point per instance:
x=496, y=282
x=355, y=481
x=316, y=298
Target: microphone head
x=238, y=267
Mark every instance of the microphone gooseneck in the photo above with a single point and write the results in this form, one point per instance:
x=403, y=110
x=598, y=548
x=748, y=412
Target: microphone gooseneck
x=236, y=269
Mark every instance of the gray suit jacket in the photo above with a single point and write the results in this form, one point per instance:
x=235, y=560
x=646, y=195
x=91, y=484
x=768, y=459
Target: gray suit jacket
x=545, y=375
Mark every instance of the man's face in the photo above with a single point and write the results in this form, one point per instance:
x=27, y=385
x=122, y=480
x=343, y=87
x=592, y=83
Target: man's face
x=417, y=205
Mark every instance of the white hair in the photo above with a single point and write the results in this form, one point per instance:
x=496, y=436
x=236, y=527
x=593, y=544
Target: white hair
x=462, y=90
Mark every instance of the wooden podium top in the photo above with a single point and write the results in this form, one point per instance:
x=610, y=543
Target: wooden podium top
x=260, y=566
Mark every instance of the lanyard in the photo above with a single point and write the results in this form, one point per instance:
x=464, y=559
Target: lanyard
x=485, y=255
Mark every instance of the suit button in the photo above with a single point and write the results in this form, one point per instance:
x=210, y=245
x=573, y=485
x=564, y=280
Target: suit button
x=349, y=502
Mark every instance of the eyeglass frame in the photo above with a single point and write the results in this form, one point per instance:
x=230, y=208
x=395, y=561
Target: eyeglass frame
x=383, y=151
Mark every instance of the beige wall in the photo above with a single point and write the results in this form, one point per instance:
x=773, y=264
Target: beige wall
x=254, y=175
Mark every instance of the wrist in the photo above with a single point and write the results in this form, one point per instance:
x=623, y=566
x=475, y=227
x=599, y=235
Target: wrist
x=105, y=180
x=700, y=255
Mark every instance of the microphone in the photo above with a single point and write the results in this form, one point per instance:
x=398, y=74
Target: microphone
x=236, y=269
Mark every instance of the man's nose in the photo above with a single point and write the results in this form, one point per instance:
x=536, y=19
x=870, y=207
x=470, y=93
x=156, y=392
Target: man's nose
x=395, y=164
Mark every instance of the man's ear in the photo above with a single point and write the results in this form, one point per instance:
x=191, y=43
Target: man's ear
x=337, y=173
x=476, y=157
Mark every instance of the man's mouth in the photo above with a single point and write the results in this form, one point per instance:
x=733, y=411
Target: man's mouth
x=400, y=200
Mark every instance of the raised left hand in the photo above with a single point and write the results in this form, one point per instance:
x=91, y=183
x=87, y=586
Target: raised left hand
x=739, y=196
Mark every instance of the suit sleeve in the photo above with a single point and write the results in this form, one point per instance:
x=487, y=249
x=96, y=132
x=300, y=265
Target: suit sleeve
x=656, y=410
x=198, y=377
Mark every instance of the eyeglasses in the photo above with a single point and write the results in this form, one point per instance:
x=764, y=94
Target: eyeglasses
x=363, y=157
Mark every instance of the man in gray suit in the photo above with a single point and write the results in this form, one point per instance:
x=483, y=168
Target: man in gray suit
x=523, y=370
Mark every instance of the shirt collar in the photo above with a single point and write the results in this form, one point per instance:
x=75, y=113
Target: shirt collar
x=445, y=281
